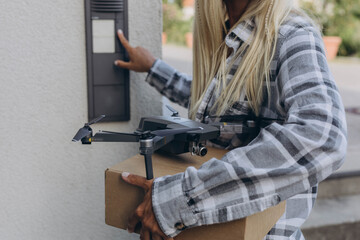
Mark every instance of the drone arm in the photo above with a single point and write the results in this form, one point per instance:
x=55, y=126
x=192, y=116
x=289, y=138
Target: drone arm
x=114, y=137
x=159, y=142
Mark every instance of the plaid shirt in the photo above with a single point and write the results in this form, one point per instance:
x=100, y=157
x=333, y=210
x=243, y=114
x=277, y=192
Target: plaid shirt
x=284, y=162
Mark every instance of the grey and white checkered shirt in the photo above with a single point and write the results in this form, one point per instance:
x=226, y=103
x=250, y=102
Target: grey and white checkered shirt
x=284, y=162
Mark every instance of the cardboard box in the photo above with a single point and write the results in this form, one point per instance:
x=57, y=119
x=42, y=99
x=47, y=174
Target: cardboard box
x=121, y=199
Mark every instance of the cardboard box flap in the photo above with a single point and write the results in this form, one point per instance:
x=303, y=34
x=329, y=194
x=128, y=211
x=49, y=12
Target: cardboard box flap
x=164, y=164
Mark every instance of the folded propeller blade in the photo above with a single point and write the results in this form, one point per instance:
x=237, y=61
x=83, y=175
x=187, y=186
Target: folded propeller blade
x=86, y=130
x=174, y=112
x=95, y=120
x=83, y=132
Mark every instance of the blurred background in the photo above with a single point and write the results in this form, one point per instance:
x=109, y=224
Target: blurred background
x=52, y=188
x=336, y=18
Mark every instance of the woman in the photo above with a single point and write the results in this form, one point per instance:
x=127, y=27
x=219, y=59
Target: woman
x=255, y=57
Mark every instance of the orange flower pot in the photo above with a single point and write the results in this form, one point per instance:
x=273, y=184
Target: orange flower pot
x=332, y=45
x=188, y=3
x=189, y=39
x=163, y=38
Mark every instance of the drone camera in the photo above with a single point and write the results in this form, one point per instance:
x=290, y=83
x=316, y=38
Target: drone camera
x=203, y=151
x=198, y=149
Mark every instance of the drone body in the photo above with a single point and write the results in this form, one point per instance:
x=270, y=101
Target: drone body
x=174, y=134
x=190, y=141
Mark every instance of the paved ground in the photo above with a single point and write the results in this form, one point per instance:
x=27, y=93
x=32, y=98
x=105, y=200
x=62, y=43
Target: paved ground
x=347, y=76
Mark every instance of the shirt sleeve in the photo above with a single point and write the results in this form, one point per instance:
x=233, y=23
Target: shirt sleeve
x=170, y=83
x=282, y=161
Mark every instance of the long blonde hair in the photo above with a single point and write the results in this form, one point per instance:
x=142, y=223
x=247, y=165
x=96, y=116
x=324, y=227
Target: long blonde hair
x=210, y=52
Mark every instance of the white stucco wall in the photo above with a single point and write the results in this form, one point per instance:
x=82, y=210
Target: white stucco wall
x=51, y=188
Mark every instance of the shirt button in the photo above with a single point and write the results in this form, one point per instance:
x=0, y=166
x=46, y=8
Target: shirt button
x=179, y=226
x=191, y=202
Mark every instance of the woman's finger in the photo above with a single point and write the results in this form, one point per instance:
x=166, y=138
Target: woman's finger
x=165, y=237
x=123, y=64
x=136, y=180
x=133, y=221
x=156, y=237
x=144, y=234
x=123, y=40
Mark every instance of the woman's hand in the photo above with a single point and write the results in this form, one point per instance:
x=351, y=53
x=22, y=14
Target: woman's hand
x=150, y=229
x=141, y=60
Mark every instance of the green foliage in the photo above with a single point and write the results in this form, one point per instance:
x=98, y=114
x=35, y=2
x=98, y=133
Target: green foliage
x=338, y=18
x=177, y=2
x=174, y=25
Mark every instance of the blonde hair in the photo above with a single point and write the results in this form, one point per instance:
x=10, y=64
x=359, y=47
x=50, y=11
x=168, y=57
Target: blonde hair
x=210, y=52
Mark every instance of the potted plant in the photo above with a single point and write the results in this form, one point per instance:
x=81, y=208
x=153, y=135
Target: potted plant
x=163, y=38
x=189, y=39
x=188, y=9
x=174, y=24
x=339, y=18
x=345, y=23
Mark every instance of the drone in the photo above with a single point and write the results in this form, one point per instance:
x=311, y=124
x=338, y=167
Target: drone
x=171, y=134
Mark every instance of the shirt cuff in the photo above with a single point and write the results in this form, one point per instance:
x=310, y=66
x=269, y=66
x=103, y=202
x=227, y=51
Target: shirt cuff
x=159, y=75
x=171, y=205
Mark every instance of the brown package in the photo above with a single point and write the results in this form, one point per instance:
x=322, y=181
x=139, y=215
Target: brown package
x=121, y=199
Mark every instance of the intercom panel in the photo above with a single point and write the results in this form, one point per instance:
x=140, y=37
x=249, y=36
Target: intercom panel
x=108, y=85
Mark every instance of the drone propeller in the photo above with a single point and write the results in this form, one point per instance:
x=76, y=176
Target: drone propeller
x=83, y=132
x=95, y=120
x=86, y=130
x=174, y=112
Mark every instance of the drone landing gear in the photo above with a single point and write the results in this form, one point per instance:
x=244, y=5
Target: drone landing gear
x=148, y=167
x=147, y=149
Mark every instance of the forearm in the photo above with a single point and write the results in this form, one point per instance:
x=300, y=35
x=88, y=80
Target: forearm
x=248, y=179
x=169, y=82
